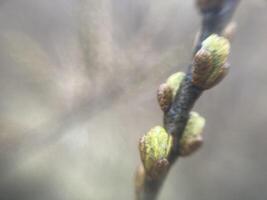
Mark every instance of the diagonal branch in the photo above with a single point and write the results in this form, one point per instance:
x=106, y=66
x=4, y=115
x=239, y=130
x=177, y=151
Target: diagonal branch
x=216, y=14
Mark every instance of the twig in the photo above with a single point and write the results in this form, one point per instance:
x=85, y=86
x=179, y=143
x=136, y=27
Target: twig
x=214, y=18
x=216, y=14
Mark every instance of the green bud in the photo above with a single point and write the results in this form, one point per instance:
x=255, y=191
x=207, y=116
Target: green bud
x=154, y=149
x=219, y=47
x=192, y=139
x=174, y=82
x=167, y=91
x=209, y=66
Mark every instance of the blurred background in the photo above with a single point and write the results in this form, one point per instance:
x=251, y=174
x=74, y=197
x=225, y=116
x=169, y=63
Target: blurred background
x=78, y=82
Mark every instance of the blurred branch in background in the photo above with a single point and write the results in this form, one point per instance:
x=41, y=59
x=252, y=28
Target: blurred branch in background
x=159, y=149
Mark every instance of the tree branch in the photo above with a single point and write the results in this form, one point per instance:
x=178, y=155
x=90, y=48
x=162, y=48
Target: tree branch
x=216, y=14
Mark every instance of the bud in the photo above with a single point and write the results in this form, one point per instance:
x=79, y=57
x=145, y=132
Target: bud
x=174, y=82
x=154, y=149
x=168, y=90
x=210, y=61
x=219, y=47
x=202, y=66
x=164, y=96
x=192, y=139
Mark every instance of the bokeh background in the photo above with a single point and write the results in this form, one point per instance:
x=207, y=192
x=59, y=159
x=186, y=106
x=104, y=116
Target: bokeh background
x=78, y=80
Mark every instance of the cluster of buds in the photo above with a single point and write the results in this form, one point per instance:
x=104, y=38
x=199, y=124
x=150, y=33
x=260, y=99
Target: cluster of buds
x=156, y=145
x=167, y=91
x=209, y=66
